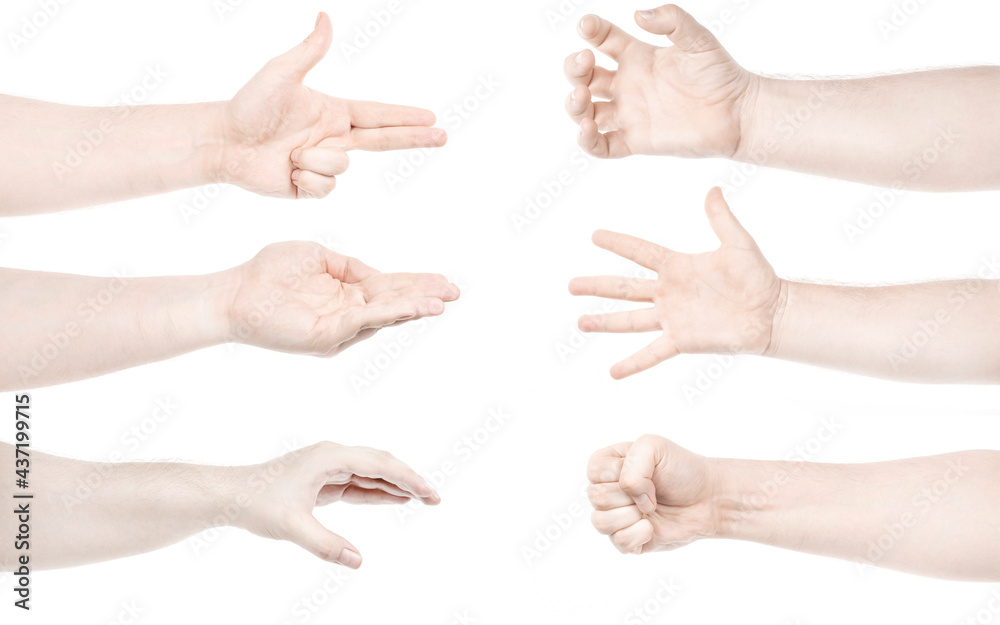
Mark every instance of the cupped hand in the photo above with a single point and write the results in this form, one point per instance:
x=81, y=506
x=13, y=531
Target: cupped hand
x=283, y=139
x=301, y=297
x=276, y=499
x=688, y=99
x=652, y=495
x=724, y=301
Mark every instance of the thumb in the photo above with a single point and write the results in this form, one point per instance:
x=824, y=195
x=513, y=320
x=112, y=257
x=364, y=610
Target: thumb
x=682, y=29
x=303, y=57
x=636, y=478
x=724, y=223
x=310, y=534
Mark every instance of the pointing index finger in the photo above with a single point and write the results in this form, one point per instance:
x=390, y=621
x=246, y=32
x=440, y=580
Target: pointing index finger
x=640, y=251
x=604, y=35
x=366, y=114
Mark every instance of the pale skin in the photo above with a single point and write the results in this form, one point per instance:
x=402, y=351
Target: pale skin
x=295, y=297
x=276, y=137
x=138, y=507
x=730, y=300
x=933, y=130
x=933, y=516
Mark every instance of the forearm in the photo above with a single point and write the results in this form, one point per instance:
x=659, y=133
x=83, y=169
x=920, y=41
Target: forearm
x=934, y=332
x=84, y=512
x=933, y=516
x=935, y=130
x=73, y=156
x=57, y=328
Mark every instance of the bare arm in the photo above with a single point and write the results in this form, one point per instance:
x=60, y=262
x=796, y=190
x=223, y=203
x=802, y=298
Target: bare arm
x=932, y=332
x=731, y=301
x=132, y=508
x=934, y=130
x=276, y=137
x=296, y=297
x=934, y=516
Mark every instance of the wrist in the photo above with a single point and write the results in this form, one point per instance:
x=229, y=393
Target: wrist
x=745, y=492
x=224, y=500
x=778, y=315
x=223, y=288
x=749, y=117
x=212, y=307
x=207, y=141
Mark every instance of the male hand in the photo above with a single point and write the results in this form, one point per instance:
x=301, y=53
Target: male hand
x=720, y=301
x=300, y=297
x=652, y=495
x=685, y=100
x=283, y=139
x=318, y=476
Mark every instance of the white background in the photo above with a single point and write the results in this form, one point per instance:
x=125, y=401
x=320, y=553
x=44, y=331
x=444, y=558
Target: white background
x=498, y=346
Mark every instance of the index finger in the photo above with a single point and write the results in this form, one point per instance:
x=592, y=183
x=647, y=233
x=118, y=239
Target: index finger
x=640, y=251
x=346, y=268
x=605, y=464
x=365, y=114
x=379, y=465
x=604, y=35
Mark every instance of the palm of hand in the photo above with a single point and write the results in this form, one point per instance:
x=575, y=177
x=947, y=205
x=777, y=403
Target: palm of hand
x=283, y=298
x=670, y=102
x=720, y=301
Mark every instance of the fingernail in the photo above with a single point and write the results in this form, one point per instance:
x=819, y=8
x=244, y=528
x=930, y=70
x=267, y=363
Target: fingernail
x=647, y=14
x=295, y=175
x=644, y=502
x=349, y=558
x=319, y=16
x=580, y=58
x=572, y=96
x=296, y=153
